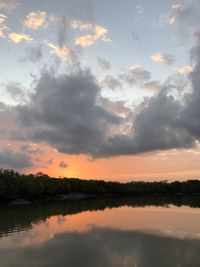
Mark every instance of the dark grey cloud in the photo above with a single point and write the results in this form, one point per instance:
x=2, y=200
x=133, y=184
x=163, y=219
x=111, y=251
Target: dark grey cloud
x=15, y=92
x=2, y=106
x=157, y=126
x=162, y=121
x=191, y=113
x=63, y=165
x=105, y=247
x=66, y=112
x=15, y=160
x=30, y=149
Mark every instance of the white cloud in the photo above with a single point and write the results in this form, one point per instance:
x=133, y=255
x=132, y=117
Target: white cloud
x=19, y=37
x=63, y=53
x=3, y=27
x=163, y=58
x=35, y=20
x=97, y=32
x=185, y=69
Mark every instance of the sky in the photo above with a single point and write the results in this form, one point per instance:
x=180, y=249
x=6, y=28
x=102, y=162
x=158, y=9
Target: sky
x=103, y=89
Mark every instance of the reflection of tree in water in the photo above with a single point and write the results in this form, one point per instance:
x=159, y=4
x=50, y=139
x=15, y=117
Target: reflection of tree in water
x=19, y=218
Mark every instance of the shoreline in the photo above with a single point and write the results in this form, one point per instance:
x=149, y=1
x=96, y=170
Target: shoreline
x=83, y=196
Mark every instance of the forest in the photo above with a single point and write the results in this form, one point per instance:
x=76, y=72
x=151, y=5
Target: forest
x=14, y=185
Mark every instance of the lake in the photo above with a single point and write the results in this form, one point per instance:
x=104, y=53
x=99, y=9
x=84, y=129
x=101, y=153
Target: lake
x=115, y=232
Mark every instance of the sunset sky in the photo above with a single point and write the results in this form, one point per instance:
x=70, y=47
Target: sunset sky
x=104, y=89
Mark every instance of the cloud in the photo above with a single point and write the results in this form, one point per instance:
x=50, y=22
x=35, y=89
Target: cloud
x=35, y=20
x=7, y=4
x=139, y=9
x=191, y=113
x=49, y=162
x=15, y=92
x=31, y=149
x=19, y=37
x=63, y=165
x=184, y=17
x=14, y=89
x=82, y=9
x=163, y=58
x=185, y=70
x=63, y=31
x=15, y=160
x=97, y=33
x=3, y=27
x=106, y=247
x=2, y=106
x=110, y=82
x=34, y=54
x=104, y=64
x=135, y=36
x=63, y=53
x=135, y=75
x=163, y=121
x=152, y=85
x=66, y=112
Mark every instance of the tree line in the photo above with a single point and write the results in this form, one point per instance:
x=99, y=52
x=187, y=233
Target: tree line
x=14, y=185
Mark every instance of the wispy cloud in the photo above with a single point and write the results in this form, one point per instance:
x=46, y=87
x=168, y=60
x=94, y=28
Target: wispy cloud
x=7, y=4
x=104, y=64
x=163, y=58
x=63, y=53
x=135, y=75
x=184, y=17
x=19, y=37
x=3, y=27
x=63, y=165
x=139, y=9
x=97, y=32
x=110, y=82
x=185, y=69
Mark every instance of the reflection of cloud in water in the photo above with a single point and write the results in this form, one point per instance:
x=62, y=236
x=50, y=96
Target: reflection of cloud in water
x=104, y=247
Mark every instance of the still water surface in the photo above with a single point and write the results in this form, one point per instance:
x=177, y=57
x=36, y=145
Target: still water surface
x=101, y=233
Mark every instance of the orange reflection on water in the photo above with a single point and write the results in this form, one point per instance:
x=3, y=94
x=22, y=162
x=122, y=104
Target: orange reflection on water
x=173, y=221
